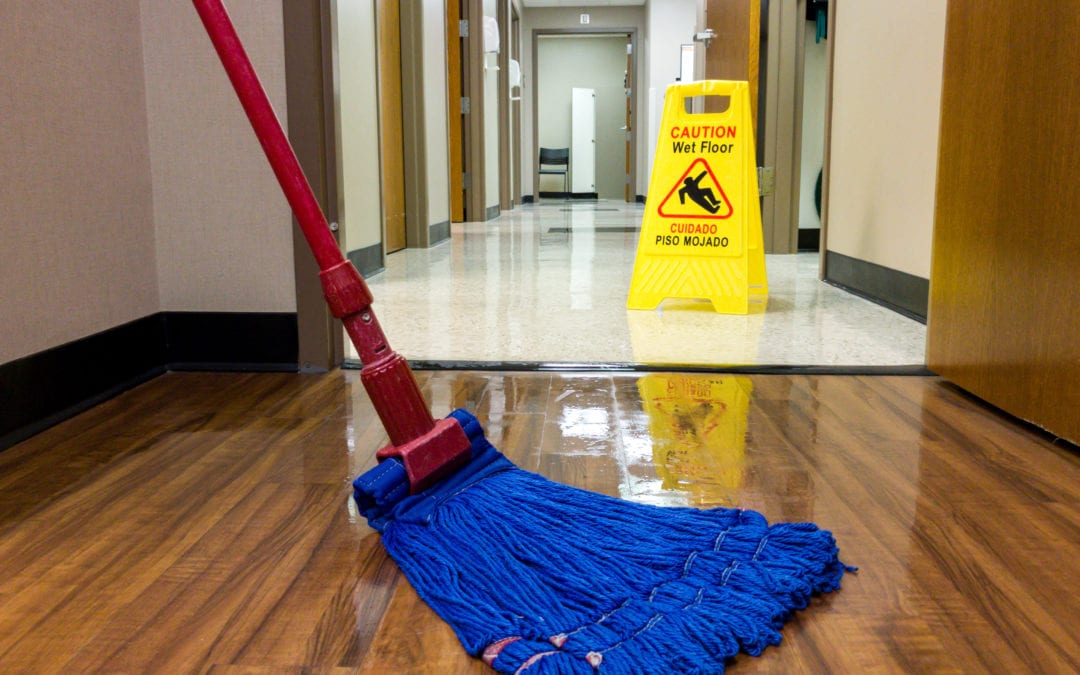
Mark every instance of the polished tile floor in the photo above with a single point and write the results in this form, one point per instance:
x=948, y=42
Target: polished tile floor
x=548, y=283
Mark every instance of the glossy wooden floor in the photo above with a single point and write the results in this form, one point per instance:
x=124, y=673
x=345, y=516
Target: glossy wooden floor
x=201, y=522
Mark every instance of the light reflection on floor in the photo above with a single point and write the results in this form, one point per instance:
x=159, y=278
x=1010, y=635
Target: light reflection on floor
x=549, y=282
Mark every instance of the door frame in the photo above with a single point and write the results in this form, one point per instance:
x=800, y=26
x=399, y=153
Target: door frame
x=782, y=124
x=472, y=69
x=310, y=74
x=634, y=51
x=515, y=108
x=506, y=198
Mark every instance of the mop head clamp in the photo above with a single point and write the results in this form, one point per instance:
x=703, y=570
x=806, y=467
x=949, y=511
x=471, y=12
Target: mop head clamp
x=433, y=456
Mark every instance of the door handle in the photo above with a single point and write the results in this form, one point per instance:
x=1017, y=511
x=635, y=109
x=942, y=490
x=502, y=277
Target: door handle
x=705, y=36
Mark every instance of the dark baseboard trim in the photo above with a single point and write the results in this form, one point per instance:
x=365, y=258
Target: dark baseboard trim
x=46, y=388
x=37, y=425
x=42, y=389
x=809, y=239
x=438, y=232
x=492, y=212
x=901, y=292
x=526, y=199
x=622, y=367
x=640, y=199
x=232, y=340
x=367, y=260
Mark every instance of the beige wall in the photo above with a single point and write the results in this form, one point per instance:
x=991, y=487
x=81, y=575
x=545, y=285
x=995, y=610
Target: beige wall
x=132, y=180
x=534, y=18
x=224, y=241
x=435, y=112
x=76, y=223
x=885, y=116
x=358, y=124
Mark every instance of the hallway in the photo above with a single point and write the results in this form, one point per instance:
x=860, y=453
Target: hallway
x=548, y=282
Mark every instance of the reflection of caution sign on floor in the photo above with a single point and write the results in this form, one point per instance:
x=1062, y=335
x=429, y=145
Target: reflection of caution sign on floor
x=698, y=426
x=701, y=235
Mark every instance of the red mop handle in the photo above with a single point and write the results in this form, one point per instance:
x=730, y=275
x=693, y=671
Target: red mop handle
x=427, y=449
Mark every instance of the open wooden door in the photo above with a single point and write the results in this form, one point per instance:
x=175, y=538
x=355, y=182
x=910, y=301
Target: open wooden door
x=734, y=53
x=453, y=107
x=388, y=22
x=1003, y=320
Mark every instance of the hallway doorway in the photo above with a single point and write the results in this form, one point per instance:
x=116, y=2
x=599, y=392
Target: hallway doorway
x=560, y=57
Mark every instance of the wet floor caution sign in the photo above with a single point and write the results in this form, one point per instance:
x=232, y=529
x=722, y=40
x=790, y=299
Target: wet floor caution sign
x=701, y=234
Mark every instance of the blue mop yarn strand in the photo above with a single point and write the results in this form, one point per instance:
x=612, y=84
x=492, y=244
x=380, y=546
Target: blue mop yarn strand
x=540, y=577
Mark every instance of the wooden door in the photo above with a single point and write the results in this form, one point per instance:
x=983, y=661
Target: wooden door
x=734, y=53
x=1004, y=320
x=388, y=18
x=453, y=107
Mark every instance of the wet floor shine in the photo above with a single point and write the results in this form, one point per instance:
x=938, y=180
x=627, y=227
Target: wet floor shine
x=549, y=282
x=202, y=522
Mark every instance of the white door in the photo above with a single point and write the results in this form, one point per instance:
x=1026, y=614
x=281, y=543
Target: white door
x=583, y=141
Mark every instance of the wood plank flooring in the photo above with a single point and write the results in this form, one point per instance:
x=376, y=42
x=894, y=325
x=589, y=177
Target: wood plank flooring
x=201, y=522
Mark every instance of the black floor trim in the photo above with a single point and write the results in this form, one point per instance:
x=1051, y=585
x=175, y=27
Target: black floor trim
x=367, y=260
x=438, y=232
x=625, y=367
x=809, y=239
x=232, y=340
x=899, y=291
x=45, y=388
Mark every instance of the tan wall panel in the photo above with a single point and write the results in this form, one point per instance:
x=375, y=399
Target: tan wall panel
x=883, y=154
x=224, y=238
x=76, y=229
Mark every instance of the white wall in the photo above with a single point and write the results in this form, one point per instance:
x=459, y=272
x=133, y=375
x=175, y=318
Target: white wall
x=816, y=68
x=887, y=68
x=534, y=18
x=590, y=62
x=358, y=121
x=435, y=111
x=670, y=24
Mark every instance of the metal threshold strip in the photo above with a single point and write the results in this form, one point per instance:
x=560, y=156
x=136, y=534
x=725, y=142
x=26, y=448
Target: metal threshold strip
x=917, y=370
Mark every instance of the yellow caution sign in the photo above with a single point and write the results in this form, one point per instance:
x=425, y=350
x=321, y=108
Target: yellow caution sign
x=701, y=235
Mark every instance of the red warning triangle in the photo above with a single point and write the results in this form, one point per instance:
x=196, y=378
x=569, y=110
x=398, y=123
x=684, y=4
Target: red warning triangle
x=697, y=194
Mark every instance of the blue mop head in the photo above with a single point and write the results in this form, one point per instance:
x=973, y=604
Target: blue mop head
x=536, y=575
